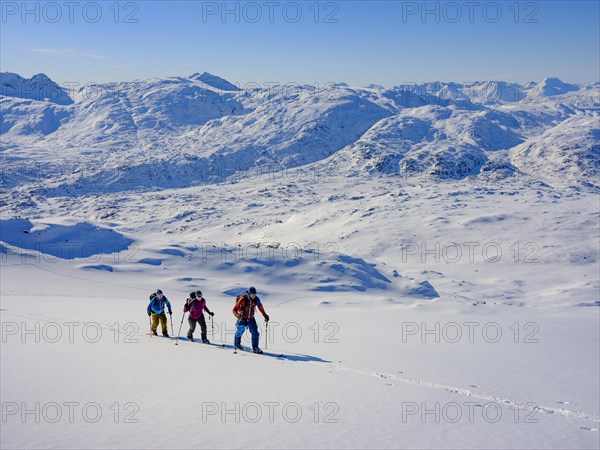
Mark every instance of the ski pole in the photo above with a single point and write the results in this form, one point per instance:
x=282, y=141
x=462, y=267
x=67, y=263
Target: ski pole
x=180, y=325
x=171, y=317
x=212, y=327
x=266, y=333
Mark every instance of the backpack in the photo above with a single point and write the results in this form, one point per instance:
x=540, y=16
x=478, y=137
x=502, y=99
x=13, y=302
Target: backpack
x=241, y=295
x=244, y=295
x=188, y=301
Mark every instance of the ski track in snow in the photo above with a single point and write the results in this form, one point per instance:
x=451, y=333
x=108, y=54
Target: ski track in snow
x=530, y=406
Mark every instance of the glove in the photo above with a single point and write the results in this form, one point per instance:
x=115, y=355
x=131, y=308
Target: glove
x=170, y=313
x=211, y=314
x=266, y=317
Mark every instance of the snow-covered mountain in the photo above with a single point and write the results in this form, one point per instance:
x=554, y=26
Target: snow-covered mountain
x=164, y=132
x=550, y=87
x=570, y=151
x=443, y=141
x=39, y=87
x=214, y=81
x=487, y=92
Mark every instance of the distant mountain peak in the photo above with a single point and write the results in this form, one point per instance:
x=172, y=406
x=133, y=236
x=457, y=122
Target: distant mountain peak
x=41, y=77
x=214, y=81
x=39, y=87
x=553, y=86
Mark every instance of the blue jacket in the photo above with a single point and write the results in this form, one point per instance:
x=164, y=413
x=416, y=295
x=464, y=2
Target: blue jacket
x=157, y=305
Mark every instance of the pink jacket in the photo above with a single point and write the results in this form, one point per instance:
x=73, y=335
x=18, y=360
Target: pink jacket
x=196, y=307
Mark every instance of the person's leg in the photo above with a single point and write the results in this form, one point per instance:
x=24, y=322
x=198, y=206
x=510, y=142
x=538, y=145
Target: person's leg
x=155, y=320
x=240, y=328
x=254, y=331
x=163, y=323
x=192, y=323
x=202, y=322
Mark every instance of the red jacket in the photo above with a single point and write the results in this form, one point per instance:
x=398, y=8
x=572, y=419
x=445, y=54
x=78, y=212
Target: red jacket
x=245, y=306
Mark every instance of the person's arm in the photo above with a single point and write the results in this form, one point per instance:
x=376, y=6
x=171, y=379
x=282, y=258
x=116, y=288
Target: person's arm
x=148, y=310
x=206, y=308
x=261, y=308
x=264, y=313
x=186, y=307
x=168, y=305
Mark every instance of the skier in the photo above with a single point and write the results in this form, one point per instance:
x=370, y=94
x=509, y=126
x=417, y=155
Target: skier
x=196, y=305
x=156, y=308
x=243, y=310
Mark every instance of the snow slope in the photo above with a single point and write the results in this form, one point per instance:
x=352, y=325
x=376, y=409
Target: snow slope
x=568, y=151
x=446, y=142
x=344, y=281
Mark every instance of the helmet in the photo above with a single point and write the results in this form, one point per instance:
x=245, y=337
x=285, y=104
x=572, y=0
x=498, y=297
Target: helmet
x=198, y=293
x=252, y=290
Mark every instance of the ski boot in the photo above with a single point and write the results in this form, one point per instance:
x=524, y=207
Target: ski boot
x=154, y=333
x=205, y=341
x=237, y=343
x=166, y=335
x=257, y=350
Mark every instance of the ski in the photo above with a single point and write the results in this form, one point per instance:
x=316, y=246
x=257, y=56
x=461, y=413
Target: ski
x=273, y=355
x=211, y=344
x=161, y=336
x=185, y=339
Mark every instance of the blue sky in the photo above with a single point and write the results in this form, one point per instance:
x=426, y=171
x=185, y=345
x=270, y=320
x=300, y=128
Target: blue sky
x=382, y=42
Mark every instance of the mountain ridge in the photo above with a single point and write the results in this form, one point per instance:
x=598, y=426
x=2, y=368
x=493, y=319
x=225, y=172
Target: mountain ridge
x=189, y=125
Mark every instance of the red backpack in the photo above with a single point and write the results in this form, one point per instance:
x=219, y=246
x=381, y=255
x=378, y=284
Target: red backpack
x=244, y=295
